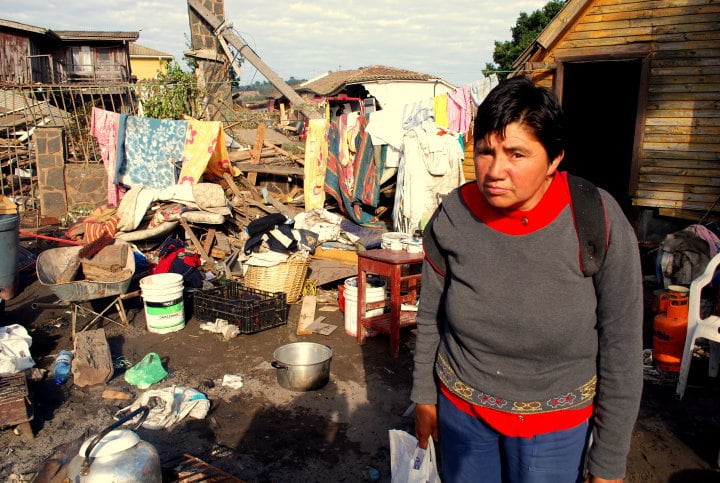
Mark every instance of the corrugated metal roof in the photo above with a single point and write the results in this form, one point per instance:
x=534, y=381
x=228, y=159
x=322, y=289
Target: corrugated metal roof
x=24, y=27
x=71, y=34
x=137, y=50
x=16, y=109
x=95, y=35
x=332, y=82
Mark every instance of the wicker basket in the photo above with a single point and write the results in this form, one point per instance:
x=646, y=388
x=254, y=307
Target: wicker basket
x=287, y=277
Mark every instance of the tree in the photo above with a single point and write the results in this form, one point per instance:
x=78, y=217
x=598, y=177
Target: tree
x=526, y=29
x=171, y=96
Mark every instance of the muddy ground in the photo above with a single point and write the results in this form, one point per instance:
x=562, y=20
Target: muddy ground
x=262, y=432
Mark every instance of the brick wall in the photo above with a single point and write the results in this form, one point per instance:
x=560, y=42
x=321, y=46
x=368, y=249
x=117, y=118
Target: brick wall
x=62, y=185
x=213, y=77
x=50, y=143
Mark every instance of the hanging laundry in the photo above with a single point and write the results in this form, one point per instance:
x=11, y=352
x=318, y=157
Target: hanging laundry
x=416, y=113
x=430, y=168
x=204, y=151
x=104, y=128
x=481, y=87
x=352, y=177
x=149, y=151
x=316, y=153
x=385, y=128
x=440, y=107
x=459, y=109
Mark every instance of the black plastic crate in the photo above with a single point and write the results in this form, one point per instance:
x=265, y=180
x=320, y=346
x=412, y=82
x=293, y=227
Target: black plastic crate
x=250, y=309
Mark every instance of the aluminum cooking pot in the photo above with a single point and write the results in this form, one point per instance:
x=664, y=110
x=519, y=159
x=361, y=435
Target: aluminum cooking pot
x=117, y=455
x=302, y=366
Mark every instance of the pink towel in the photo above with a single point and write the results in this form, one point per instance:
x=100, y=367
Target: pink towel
x=104, y=127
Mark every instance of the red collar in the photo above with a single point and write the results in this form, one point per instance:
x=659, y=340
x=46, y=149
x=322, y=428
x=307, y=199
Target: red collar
x=518, y=222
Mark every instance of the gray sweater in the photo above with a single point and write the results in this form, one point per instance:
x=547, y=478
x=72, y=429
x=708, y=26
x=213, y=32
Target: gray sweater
x=515, y=318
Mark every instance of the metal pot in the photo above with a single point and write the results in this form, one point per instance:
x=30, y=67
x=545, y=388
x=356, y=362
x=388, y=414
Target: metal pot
x=302, y=366
x=117, y=455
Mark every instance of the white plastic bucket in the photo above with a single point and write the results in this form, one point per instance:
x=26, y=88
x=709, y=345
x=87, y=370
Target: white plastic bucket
x=374, y=292
x=164, y=305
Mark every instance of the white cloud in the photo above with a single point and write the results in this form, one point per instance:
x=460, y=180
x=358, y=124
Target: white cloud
x=452, y=39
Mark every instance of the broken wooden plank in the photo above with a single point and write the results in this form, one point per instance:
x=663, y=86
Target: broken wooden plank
x=209, y=239
x=269, y=169
x=259, y=142
x=198, y=246
x=246, y=154
x=231, y=182
x=307, y=314
x=222, y=241
x=285, y=153
x=92, y=363
x=281, y=207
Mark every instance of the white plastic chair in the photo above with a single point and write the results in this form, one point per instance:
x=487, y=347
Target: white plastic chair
x=708, y=328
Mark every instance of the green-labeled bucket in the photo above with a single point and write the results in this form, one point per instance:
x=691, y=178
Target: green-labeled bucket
x=164, y=305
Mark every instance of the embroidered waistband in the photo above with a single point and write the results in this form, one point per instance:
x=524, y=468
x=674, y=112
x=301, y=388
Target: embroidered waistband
x=575, y=399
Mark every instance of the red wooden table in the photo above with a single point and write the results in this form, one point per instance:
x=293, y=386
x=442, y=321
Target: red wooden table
x=403, y=271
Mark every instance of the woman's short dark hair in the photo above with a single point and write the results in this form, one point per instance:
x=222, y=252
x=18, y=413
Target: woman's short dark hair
x=519, y=100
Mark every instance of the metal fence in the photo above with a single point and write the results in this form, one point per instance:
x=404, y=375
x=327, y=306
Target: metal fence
x=23, y=109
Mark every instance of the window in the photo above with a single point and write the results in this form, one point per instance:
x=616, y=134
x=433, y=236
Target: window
x=81, y=59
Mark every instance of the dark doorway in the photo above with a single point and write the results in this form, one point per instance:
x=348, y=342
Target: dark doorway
x=600, y=100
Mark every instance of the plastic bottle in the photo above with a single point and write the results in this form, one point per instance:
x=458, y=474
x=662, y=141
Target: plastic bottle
x=61, y=367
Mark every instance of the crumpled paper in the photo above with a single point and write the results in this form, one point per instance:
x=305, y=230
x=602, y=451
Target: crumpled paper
x=221, y=326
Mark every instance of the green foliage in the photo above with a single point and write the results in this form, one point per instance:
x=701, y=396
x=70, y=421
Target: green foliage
x=526, y=29
x=171, y=95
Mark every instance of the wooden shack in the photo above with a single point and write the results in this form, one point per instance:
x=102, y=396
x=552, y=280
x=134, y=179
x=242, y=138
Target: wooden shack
x=37, y=55
x=640, y=83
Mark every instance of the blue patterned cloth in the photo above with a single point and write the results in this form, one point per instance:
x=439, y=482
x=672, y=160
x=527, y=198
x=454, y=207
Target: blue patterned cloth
x=149, y=151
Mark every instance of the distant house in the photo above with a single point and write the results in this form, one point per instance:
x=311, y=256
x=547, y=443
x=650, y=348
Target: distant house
x=37, y=55
x=639, y=82
x=146, y=63
x=381, y=85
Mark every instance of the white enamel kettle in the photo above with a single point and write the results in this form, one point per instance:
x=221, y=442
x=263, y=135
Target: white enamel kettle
x=117, y=455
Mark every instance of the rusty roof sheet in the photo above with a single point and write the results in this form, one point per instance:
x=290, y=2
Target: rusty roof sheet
x=69, y=35
x=17, y=109
x=137, y=50
x=24, y=27
x=333, y=82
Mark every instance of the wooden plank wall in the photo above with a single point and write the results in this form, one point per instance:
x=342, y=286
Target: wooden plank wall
x=469, y=161
x=13, y=54
x=680, y=155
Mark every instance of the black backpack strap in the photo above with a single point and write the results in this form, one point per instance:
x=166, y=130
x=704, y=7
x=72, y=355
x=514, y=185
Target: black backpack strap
x=590, y=224
x=432, y=251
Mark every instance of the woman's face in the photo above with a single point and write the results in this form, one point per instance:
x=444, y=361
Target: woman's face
x=513, y=172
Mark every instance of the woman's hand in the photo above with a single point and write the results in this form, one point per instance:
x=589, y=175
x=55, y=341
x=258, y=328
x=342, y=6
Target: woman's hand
x=426, y=423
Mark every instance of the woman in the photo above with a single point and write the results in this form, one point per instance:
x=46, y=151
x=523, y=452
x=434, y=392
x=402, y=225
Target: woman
x=519, y=356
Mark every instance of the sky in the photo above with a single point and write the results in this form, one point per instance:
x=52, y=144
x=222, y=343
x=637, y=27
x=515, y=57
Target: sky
x=452, y=40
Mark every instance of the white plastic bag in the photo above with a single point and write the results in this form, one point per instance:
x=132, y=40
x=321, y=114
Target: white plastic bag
x=15, y=349
x=169, y=405
x=408, y=462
